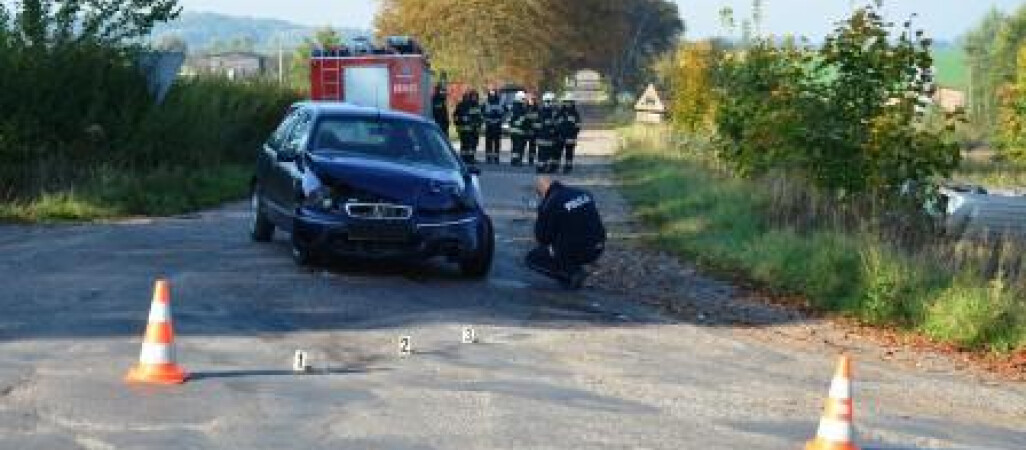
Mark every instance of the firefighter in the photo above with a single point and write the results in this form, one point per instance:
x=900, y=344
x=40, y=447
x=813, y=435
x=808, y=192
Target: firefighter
x=531, y=123
x=569, y=129
x=518, y=127
x=494, y=114
x=440, y=107
x=468, y=123
x=569, y=233
x=547, y=134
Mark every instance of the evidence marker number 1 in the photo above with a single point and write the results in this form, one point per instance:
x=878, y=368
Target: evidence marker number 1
x=300, y=362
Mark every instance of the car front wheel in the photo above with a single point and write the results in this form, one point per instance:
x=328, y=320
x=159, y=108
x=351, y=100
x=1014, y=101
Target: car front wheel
x=479, y=264
x=302, y=254
x=261, y=229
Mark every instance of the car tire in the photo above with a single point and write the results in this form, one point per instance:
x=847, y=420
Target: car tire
x=302, y=254
x=479, y=265
x=261, y=229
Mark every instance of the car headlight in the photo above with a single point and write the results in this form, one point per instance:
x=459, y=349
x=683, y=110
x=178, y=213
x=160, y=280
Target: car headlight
x=322, y=198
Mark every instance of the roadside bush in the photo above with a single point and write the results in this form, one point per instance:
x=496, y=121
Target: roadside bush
x=64, y=132
x=975, y=313
x=850, y=117
x=82, y=137
x=831, y=256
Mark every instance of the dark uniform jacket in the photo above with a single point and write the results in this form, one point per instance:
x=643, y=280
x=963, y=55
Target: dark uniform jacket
x=532, y=114
x=569, y=222
x=569, y=124
x=468, y=117
x=547, y=128
x=440, y=109
x=518, y=123
x=493, y=115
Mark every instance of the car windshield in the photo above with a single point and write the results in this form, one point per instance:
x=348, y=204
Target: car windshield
x=391, y=140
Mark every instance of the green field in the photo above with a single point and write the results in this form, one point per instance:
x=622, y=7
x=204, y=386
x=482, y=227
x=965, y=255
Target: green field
x=952, y=70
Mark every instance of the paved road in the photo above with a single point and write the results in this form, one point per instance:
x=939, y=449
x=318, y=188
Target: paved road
x=595, y=369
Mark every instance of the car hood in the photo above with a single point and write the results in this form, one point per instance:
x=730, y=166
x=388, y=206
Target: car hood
x=367, y=180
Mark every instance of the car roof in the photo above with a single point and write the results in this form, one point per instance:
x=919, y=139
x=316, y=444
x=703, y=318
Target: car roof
x=343, y=109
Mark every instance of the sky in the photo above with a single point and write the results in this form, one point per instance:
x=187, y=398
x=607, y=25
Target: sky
x=943, y=19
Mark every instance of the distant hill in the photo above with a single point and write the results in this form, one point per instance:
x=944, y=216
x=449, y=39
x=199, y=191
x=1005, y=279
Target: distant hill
x=204, y=32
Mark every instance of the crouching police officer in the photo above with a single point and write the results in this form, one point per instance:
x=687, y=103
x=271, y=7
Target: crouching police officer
x=518, y=127
x=569, y=233
x=468, y=123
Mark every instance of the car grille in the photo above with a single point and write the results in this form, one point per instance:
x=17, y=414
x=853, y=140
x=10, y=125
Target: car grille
x=378, y=211
x=381, y=231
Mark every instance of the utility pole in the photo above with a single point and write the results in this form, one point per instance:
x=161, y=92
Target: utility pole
x=282, y=36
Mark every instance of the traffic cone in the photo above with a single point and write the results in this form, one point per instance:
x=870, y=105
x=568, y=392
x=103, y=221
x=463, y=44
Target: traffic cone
x=157, y=359
x=836, y=431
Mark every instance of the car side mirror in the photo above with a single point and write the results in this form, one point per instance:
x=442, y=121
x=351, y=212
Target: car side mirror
x=285, y=156
x=288, y=153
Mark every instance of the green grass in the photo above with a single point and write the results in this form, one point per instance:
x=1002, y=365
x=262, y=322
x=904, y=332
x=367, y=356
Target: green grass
x=721, y=221
x=195, y=150
x=952, y=69
x=992, y=173
x=159, y=192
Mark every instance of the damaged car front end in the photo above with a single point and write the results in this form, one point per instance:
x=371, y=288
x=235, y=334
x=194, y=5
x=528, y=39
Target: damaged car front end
x=381, y=187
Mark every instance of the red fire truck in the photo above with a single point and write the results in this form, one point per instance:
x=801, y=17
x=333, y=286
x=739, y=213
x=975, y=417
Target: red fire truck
x=395, y=76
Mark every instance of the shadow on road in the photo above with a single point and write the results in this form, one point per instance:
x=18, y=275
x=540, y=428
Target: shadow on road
x=210, y=375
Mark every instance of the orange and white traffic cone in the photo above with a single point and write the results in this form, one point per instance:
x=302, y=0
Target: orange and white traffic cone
x=836, y=431
x=157, y=359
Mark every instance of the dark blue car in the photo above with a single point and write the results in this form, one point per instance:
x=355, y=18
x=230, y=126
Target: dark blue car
x=351, y=182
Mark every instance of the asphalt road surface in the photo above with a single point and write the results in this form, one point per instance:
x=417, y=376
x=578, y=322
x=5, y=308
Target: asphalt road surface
x=552, y=370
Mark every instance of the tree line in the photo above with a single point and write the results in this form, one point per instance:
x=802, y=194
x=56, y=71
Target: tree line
x=537, y=42
x=996, y=52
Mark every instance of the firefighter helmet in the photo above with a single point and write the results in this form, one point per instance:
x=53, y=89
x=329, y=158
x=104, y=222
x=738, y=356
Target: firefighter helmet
x=520, y=96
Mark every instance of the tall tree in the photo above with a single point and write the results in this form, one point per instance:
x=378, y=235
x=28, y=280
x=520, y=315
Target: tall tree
x=479, y=41
x=299, y=65
x=979, y=44
x=536, y=42
x=632, y=35
x=106, y=22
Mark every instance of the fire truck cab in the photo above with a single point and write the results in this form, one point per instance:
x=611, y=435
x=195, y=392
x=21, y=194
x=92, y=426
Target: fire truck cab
x=396, y=76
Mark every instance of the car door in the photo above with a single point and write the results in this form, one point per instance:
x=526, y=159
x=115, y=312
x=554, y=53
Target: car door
x=284, y=178
x=267, y=161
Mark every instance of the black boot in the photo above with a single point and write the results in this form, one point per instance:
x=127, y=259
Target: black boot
x=574, y=280
x=569, y=167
